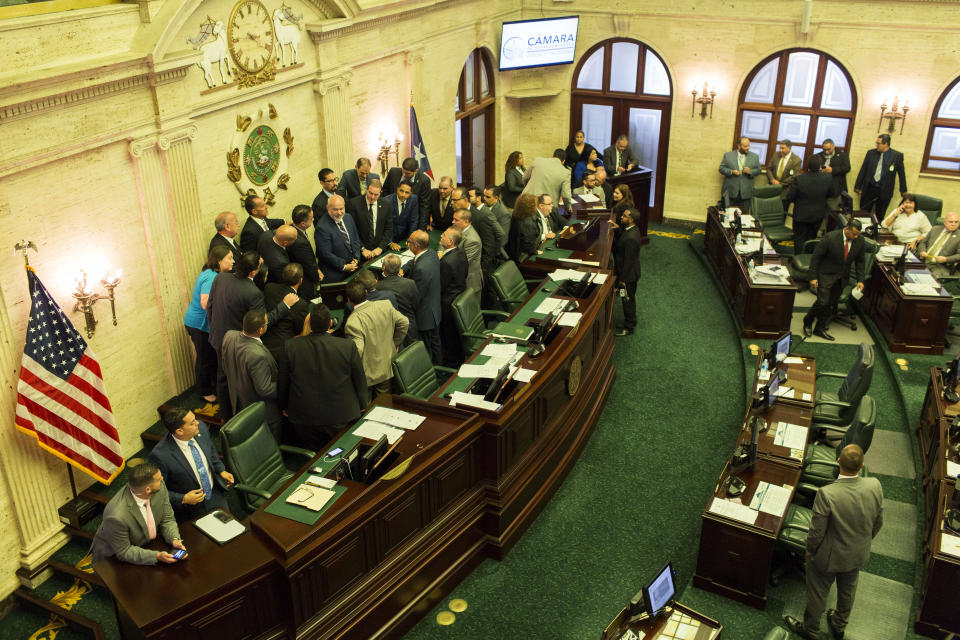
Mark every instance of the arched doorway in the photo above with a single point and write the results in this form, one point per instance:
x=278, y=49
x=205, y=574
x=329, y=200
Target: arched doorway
x=620, y=86
x=474, y=121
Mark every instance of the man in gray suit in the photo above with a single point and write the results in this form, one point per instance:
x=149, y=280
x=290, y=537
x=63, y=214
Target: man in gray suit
x=940, y=248
x=251, y=370
x=618, y=158
x=739, y=167
x=548, y=175
x=471, y=245
x=846, y=516
x=377, y=329
x=406, y=293
x=491, y=198
x=137, y=514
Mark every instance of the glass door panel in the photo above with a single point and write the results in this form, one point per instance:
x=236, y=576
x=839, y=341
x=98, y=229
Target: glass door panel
x=644, y=135
x=597, y=125
x=478, y=136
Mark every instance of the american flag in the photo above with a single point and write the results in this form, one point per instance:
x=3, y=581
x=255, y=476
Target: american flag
x=417, y=150
x=61, y=400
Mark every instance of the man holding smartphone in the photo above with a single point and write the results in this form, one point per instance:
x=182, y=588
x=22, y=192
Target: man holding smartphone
x=138, y=513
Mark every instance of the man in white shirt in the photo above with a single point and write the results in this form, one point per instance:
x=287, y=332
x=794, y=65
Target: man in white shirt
x=590, y=187
x=196, y=478
x=544, y=214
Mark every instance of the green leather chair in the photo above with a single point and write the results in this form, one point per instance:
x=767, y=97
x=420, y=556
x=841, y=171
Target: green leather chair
x=799, y=265
x=510, y=286
x=820, y=466
x=254, y=457
x=932, y=207
x=772, y=217
x=839, y=408
x=414, y=374
x=470, y=320
x=767, y=191
x=793, y=531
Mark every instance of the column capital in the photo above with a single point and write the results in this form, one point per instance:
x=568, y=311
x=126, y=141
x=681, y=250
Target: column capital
x=141, y=145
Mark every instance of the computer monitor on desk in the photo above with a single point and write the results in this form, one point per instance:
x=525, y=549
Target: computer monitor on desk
x=656, y=595
x=779, y=350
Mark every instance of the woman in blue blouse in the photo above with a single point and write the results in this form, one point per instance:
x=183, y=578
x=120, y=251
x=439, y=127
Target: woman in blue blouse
x=591, y=163
x=219, y=260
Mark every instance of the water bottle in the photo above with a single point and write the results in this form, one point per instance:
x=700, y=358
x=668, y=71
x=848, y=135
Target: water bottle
x=751, y=266
x=764, y=369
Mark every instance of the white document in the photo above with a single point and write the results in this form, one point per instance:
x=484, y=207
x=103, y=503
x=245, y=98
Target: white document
x=373, y=431
x=751, y=245
x=806, y=397
x=478, y=370
x=559, y=275
x=949, y=544
x=219, y=531
x=735, y=510
x=915, y=289
x=395, y=417
x=920, y=277
x=771, y=498
x=320, y=481
x=785, y=392
x=763, y=375
x=524, y=375
x=588, y=198
x=792, y=436
x=953, y=468
x=313, y=498
x=458, y=398
x=599, y=278
x=569, y=319
x=890, y=251
x=792, y=360
x=549, y=305
x=497, y=350
x=866, y=223
x=748, y=221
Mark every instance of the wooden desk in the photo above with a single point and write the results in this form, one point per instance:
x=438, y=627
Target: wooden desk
x=734, y=557
x=909, y=324
x=639, y=183
x=766, y=447
x=935, y=409
x=654, y=627
x=762, y=310
x=938, y=615
x=560, y=248
x=801, y=377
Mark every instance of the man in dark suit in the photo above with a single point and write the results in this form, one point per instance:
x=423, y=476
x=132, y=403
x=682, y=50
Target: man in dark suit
x=618, y=158
x=231, y=296
x=354, y=181
x=600, y=175
x=227, y=228
x=301, y=252
x=405, y=292
x=136, y=514
x=829, y=269
x=409, y=170
x=272, y=247
x=471, y=244
x=321, y=362
x=836, y=164
x=491, y=198
x=441, y=204
x=328, y=187
x=257, y=222
x=195, y=476
x=847, y=515
x=453, y=282
x=291, y=325
x=880, y=168
x=374, y=220
x=626, y=263
x=406, y=213
x=251, y=370
x=338, y=242
x=424, y=270
x=783, y=166
x=809, y=193
x=492, y=237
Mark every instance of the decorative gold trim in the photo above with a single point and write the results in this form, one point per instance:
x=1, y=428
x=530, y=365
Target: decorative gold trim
x=266, y=74
x=269, y=197
x=233, y=165
x=574, y=375
x=283, y=180
x=398, y=470
x=243, y=122
x=273, y=112
x=288, y=138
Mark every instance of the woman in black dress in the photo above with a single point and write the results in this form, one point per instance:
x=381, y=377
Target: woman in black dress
x=513, y=179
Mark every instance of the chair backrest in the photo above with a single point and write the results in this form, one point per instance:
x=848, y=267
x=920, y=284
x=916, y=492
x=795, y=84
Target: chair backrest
x=508, y=284
x=769, y=211
x=413, y=372
x=861, y=429
x=251, y=451
x=466, y=312
x=767, y=190
x=857, y=382
x=932, y=207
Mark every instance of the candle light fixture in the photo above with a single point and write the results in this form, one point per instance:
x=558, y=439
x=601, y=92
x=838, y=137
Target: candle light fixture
x=893, y=115
x=388, y=146
x=86, y=297
x=707, y=96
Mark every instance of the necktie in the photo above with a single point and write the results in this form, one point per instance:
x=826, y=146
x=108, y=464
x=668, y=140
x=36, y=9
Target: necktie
x=373, y=221
x=935, y=249
x=783, y=161
x=151, y=523
x=827, y=159
x=618, y=161
x=400, y=207
x=740, y=161
x=846, y=250
x=201, y=469
x=879, y=171
x=346, y=236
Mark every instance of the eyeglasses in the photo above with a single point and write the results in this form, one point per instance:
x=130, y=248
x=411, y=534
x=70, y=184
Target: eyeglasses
x=305, y=490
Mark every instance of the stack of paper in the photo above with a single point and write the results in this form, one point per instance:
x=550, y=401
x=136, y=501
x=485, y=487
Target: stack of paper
x=588, y=198
x=953, y=469
x=949, y=544
x=459, y=398
x=915, y=289
x=313, y=498
x=749, y=245
x=550, y=304
x=734, y=509
x=889, y=252
x=569, y=319
x=921, y=276
x=395, y=417
x=792, y=436
x=589, y=263
x=770, y=498
x=373, y=430
x=866, y=223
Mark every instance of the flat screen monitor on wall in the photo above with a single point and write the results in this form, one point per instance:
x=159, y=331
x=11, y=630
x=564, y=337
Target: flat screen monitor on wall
x=538, y=43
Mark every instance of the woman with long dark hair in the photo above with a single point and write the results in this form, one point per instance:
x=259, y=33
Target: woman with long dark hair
x=524, y=238
x=513, y=179
x=220, y=259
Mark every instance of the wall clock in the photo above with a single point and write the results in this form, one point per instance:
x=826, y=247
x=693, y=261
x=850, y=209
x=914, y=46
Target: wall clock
x=250, y=41
x=257, y=158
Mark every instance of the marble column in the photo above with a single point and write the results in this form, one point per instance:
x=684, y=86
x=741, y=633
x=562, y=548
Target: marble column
x=333, y=110
x=193, y=230
x=166, y=250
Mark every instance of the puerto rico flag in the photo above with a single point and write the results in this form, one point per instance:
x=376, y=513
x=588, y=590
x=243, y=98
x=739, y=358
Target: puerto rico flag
x=417, y=150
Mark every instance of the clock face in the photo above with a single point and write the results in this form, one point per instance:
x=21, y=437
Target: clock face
x=250, y=36
x=261, y=155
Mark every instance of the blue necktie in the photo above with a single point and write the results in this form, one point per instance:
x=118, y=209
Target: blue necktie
x=201, y=469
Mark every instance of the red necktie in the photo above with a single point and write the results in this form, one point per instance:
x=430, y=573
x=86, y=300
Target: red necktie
x=846, y=249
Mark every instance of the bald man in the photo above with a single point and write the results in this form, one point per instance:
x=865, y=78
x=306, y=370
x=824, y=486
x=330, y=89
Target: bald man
x=940, y=248
x=227, y=229
x=847, y=515
x=272, y=247
x=338, y=242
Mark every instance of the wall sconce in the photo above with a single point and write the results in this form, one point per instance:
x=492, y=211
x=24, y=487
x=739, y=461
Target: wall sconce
x=86, y=297
x=388, y=146
x=707, y=97
x=893, y=115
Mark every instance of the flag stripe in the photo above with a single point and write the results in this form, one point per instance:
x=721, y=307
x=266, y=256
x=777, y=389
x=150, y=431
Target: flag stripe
x=61, y=449
x=51, y=425
x=43, y=391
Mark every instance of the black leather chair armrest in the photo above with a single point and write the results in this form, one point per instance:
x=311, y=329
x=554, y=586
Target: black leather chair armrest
x=306, y=453
x=831, y=374
x=832, y=403
x=253, y=490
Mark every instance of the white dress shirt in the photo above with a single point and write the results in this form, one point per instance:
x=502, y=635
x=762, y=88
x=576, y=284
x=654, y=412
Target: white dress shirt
x=909, y=228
